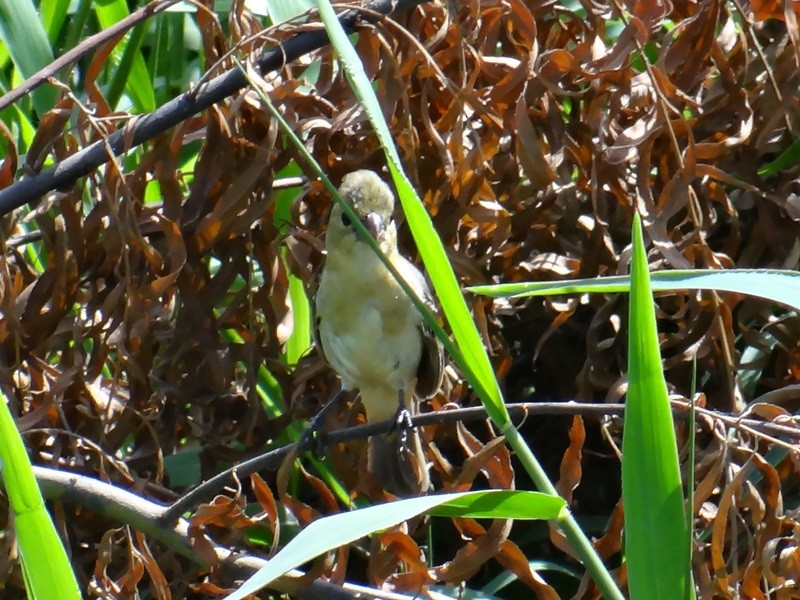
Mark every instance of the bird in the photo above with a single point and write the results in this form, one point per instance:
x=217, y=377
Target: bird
x=372, y=335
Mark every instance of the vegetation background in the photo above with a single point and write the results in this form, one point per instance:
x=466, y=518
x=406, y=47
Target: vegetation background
x=154, y=328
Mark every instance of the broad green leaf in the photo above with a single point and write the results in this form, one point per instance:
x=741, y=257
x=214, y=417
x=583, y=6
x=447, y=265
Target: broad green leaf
x=331, y=532
x=656, y=536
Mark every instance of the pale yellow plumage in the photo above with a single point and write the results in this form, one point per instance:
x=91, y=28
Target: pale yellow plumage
x=371, y=333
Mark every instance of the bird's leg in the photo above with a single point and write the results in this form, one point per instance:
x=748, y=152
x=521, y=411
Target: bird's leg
x=312, y=438
x=410, y=475
x=402, y=419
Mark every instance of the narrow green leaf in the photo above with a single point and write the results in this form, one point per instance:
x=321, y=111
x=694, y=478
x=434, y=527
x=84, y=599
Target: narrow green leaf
x=18, y=120
x=478, y=368
x=656, y=537
x=539, y=566
x=53, y=13
x=133, y=72
x=177, y=71
x=281, y=11
x=267, y=386
x=77, y=23
x=27, y=43
x=125, y=72
x=48, y=573
x=503, y=504
x=299, y=341
x=788, y=158
x=770, y=284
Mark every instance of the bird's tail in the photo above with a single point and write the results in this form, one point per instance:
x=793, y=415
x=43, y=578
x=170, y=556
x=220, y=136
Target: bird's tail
x=397, y=462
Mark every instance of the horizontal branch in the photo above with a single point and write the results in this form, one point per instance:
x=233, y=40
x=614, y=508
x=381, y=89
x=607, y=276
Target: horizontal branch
x=519, y=412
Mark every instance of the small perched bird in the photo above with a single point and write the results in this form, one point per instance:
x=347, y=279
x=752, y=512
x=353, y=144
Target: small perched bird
x=372, y=334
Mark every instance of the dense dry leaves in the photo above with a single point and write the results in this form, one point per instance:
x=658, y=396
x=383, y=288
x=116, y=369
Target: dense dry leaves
x=533, y=131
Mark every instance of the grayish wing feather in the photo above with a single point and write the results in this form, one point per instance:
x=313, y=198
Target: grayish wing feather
x=431, y=364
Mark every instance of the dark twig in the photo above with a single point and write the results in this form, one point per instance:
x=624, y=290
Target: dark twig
x=87, y=45
x=519, y=412
x=138, y=130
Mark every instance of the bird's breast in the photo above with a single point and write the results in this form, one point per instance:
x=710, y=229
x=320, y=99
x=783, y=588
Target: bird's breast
x=368, y=327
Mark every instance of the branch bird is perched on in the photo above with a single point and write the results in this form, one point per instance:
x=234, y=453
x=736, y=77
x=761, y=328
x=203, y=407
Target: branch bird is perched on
x=372, y=334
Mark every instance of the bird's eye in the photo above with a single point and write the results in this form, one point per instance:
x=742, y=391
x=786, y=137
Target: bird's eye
x=346, y=220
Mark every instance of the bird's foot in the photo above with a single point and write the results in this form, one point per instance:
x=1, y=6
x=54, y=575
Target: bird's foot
x=402, y=422
x=313, y=437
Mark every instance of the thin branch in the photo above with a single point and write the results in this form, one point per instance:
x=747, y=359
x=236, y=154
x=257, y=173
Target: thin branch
x=142, y=128
x=519, y=412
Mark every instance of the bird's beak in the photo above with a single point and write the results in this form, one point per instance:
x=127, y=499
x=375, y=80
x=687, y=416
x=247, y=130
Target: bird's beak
x=374, y=224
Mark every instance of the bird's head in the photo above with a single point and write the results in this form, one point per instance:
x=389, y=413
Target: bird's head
x=373, y=202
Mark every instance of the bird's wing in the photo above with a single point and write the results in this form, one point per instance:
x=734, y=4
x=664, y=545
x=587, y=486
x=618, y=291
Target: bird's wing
x=431, y=364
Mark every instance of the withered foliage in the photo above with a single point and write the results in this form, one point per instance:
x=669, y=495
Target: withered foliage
x=533, y=131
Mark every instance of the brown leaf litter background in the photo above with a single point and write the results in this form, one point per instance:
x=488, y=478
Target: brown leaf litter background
x=533, y=134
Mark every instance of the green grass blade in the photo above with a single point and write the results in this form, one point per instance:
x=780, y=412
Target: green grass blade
x=178, y=67
x=53, y=13
x=133, y=71
x=281, y=11
x=656, y=537
x=474, y=362
x=299, y=341
x=126, y=71
x=337, y=530
x=771, y=284
x=267, y=386
x=27, y=43
x=18, y=121
x=77, y=23
x=785, y=160
x=48, y=574
x=478, y=368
